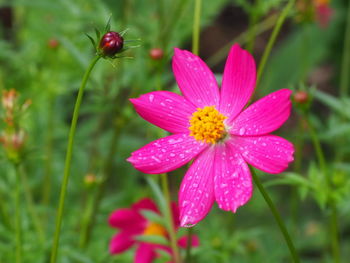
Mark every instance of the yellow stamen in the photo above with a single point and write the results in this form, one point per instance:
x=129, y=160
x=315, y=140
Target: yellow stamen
x=207, y=125
x=154, y=229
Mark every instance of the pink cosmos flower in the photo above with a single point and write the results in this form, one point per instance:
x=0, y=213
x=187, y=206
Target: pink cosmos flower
x=324, y=12
x=211, y=126
x=132, y=223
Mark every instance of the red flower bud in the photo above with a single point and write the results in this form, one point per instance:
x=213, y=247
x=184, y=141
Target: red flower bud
x=53, y=43
x=111, y=43
x=301, y=97
x=156, y=53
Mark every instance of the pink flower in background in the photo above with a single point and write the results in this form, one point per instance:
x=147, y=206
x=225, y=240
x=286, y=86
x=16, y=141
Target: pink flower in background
x=324, y=12
x=132, y=223
x=211, y=126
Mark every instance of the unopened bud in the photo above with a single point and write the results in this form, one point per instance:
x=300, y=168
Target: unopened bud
x=156, y=53
x=301, y=97
x=90, y=179
x=8, y=98
x=53, y=43
x=111, y=43
x=13, y=141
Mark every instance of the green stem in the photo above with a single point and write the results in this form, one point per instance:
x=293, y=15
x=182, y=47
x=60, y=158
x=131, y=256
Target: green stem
x=107, y=172
x=318, y=148
x=345, y=73
x=334, y=232
x=169, y=218
x=68, y=160
x=333, y=221
x=196, y=26
x=86, y=218
x=294, y=204
x=189, y=245
x=46, y=191
x=175, y=16
x=277, y=217
x=253, y=18
x=18, y=217
x=4, y=216
x=259, y=28
x=272, y=39
x=31, y=207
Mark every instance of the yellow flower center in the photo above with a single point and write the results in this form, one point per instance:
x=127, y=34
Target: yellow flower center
x=154, y=229
x=207, y=125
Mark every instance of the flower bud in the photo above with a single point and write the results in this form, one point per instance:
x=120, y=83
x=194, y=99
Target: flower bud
x=301, y=97
x=53, y=43
x=156, y=53
x=90, y=179
x=111, y=43
x=8, y=99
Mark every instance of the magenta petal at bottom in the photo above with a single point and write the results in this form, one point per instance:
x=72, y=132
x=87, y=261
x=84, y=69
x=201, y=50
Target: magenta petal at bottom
x=196, y=195
x=145, y=253
x=269, y=153
x=232, y=179
x=166, y=154
x=120, y=243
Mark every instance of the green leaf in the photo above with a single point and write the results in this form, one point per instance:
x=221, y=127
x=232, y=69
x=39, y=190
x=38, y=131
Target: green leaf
x=153, y=217
x=98, y=34
x=108, y=25
x=341, y=106
x=92, y=40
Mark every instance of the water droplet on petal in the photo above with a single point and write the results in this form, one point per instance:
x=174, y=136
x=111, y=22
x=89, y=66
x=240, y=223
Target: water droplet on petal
x=241, y=131
x=151, y=98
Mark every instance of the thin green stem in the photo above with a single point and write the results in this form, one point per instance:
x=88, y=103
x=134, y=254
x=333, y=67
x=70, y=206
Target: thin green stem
x=85, y=224
x=277, y=217
x=107, y=172
x=345, y=69
x=196, y=26
x=4, y=216
x=253, y=18
x=19, y=248
x=30, y=204
x=333, y=220
x=69, y=159
x=169, y=219
x=318, y=148
x=334, y=232
x=294, y=204
x=178, y=8
x=46, y=191
x=272, y=39
x=259, y=28
x=189, y=245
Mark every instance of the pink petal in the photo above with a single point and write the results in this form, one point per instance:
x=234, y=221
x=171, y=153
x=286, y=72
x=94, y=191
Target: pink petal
x=165, y=109
x=265, y=115
x=196, y=195
x=269, y=153
x=238, y=82
x=196, y=81
x=166, y=154
x=145, y=253
x=183, y=241
x=145, y=204
x=126, y=219
x=232, y=180
x=121, y=242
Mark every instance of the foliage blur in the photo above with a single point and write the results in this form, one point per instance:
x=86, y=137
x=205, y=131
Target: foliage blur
x=43, y=54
